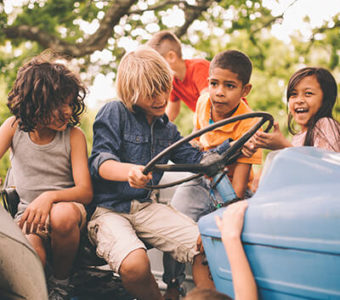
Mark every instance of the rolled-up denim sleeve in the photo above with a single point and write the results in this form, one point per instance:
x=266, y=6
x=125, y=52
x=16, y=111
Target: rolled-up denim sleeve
x=96, y=161
x=106, y=137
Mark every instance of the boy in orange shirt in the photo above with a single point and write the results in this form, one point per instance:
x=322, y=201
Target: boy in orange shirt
x=228, y=85
x=190, y=75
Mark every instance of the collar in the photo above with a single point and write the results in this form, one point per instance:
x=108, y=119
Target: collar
x=242, y=108
x=211, y=121
x=139, y=112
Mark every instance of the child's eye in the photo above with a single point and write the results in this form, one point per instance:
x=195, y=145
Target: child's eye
x=309, y=93
x=213, y=83
x=229, y=86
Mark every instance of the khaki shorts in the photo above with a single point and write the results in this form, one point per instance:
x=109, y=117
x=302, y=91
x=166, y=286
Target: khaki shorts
x=45, y=233
x=161, y=226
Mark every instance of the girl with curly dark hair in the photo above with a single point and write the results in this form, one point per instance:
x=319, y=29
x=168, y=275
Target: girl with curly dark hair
x=49, y=166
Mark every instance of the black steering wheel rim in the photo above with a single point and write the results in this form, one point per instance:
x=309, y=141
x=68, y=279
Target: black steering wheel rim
x=229, y=156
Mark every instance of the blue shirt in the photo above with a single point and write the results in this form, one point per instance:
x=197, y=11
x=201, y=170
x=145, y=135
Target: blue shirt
x=125, y=136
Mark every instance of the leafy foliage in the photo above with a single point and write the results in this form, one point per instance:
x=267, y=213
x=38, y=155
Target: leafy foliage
x=84, y=30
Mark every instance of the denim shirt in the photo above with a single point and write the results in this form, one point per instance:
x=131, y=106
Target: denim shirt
x=127, y=137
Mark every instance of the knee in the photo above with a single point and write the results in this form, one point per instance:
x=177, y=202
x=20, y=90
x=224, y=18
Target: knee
x=135, y=267
x=64, y=218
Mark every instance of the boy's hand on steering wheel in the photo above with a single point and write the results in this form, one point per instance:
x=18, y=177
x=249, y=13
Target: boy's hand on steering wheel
x=136, y=178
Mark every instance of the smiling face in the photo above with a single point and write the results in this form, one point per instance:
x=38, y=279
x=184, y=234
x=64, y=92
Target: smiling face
x=154, y=107
x=305, y=100
x=226, y=91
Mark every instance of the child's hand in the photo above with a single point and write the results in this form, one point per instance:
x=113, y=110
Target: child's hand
x=249, y=148
x=36, y=213
x=231, y=223
x=273, y=141
x=197, y=144
x=136, y=178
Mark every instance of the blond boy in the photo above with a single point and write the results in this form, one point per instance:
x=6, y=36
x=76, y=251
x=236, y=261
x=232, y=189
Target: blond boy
x=127, y=134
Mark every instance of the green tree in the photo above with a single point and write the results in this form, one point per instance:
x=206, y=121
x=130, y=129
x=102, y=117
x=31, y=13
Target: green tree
x=85, y=29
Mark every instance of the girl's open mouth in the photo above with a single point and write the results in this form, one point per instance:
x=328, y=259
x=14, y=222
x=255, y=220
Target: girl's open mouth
x=301, y=110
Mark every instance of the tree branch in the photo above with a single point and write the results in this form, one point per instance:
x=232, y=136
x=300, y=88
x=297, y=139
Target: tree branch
x=193, y=13
x=96, y=41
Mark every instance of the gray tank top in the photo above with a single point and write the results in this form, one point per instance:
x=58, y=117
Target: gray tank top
x=39, y=168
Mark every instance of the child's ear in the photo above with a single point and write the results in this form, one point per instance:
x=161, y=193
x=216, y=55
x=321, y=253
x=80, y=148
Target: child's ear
x=171, y=57
x=246, y=89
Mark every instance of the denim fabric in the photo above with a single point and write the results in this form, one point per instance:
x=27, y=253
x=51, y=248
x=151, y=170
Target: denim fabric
x=193, y=199
x=121, y=135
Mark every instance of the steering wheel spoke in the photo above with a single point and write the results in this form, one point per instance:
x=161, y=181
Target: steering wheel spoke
x=228, y=157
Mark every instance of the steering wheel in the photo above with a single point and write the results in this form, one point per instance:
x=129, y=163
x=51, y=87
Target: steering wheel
x=220, y=161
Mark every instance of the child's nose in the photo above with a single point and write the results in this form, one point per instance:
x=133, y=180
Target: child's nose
x=300, y=98
x=219, y=90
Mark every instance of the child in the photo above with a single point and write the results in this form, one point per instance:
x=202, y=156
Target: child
x=190, y=75
x=128, y=134
x=49, y=163
x=311, y=96
x=231, y=226
x=229, y=77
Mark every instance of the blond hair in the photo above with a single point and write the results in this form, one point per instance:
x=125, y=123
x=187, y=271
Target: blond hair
x=165, y=41
x=142, y=74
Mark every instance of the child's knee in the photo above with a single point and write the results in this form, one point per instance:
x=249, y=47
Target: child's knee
x=64, y=217
x=135, y=266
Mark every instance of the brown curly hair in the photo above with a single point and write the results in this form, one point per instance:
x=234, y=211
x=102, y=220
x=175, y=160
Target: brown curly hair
x=41, y=89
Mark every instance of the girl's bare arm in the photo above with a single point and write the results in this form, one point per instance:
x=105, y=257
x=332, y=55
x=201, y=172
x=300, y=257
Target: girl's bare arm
x=7, y=131
x=231, y=226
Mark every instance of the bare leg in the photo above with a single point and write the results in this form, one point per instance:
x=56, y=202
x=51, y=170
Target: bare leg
x=38, y=246
x=200, y=274
x=65, y=235
x=137, y=278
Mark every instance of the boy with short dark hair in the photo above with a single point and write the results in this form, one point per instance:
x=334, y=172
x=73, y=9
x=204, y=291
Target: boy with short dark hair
x=127, y=135
x=190, y=75
x=229, y=77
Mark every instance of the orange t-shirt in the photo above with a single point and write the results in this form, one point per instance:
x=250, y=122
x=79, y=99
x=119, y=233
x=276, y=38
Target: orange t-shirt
x=196, y=80
x=234, y=130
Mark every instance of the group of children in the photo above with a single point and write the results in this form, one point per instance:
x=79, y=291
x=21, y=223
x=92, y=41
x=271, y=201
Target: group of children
x=54, y=178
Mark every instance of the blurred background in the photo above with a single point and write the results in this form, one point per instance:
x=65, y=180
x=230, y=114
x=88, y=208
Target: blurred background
x=279, y=36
